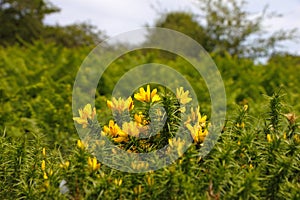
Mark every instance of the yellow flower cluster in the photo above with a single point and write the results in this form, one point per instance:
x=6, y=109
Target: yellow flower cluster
x=80, y=145
x=269, y=138
x=131, y=128
x=65, y=165
x=182, y=96
x=116, y=132
x=140, y=119
x=120, y=133
x=199, y=130
x=147, y=96
x=84, y=114
x=198, y=133
x=195, y=117
x=43, y=167
x=118, y=182
x=120, y=104
x=242, y=125
x=150, y=180
x=93, y=164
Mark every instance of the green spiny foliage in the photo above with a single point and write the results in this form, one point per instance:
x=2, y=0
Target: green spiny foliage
x=256, y=157
x=244, y=164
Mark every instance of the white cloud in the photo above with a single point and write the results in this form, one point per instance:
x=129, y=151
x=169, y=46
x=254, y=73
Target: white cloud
x=110, y=15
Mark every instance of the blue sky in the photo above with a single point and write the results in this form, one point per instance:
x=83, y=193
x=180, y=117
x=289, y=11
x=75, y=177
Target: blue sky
x=118, y=16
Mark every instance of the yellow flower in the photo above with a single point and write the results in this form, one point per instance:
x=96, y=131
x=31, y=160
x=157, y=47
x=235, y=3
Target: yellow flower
x=112, y=128
x=182, y=109
x=65, y=165
x=177, y=143
x=284, y=135
x=84, y=114
x=140, y=123
x=202, y=121
x=138, y=189
x=118, y=182
x=297, y=138
x=245, y=108
x=138, y=118
x=93, y=165
x=43, y=166
x=44, y=152
x=80, y=144
x=269, y=138
x=146, y=96
x=120, y=139
x=120, y=104
x=150, y=180
x=182, y=96
x=45, y=176
x=115, y=131
x=196, y=117
x=197, y=132
x=130, y=128
x=242, y=125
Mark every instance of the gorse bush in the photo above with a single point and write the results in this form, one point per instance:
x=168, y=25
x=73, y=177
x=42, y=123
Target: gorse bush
x=253, y=159
x=148, y=122
x=36, y=84
x=42, y=157
x=36, y=89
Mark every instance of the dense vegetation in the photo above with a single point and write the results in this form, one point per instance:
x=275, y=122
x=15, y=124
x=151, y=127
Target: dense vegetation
x=42, y=156
x=246, y=162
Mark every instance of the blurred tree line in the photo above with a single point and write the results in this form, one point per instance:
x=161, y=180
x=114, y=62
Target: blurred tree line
x=222, y=26
x=22, y=21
